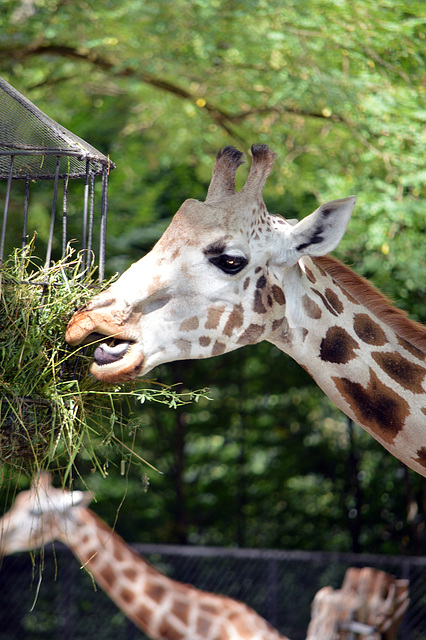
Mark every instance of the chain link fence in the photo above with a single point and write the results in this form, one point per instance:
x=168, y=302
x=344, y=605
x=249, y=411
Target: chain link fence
x=52, y=598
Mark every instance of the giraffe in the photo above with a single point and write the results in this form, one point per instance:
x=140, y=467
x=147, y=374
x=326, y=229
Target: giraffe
x=371, y=603
x=369, y=600
x=163, y=608
x=226, y=273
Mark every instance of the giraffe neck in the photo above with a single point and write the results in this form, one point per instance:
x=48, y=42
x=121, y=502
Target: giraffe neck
x=163, y=608
x=365, y=354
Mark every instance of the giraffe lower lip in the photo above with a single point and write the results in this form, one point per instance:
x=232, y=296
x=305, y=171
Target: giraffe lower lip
x=106, y=354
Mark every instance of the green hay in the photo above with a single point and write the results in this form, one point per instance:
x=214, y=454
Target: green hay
x=50, y=406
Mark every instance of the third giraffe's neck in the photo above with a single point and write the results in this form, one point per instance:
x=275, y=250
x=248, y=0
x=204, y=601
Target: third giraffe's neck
x=365, y=354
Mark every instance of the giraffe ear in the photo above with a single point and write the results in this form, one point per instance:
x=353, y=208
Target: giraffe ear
x=66, y=500
x=318, y=233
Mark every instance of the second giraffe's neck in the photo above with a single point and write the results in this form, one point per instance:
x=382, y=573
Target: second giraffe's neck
x=163, y=608
x=125, y=576
x=365, y=354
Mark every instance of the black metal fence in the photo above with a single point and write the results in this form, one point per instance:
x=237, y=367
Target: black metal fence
x=57, y=600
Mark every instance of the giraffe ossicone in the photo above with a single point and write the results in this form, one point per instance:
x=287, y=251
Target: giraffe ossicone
x=163, y=608
x=226, y=273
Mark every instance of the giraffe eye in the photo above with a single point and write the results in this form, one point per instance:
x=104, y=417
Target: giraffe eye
x=229, y=264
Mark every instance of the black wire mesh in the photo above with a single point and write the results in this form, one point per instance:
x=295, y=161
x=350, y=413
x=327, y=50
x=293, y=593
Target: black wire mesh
x=280, y=585
x=34, y=148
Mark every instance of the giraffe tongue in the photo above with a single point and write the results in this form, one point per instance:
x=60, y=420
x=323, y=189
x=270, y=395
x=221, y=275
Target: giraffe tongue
x=105, y=353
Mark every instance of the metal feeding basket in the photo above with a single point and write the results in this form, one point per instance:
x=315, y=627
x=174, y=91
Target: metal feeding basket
x=54, y=186
x=35, y=148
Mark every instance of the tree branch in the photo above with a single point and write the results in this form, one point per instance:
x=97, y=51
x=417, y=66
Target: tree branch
x=222, y=118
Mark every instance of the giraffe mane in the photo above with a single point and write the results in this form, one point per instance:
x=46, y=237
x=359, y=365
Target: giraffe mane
x=365, y=293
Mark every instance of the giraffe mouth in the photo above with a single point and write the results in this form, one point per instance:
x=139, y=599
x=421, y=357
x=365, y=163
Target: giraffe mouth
x=115, y=359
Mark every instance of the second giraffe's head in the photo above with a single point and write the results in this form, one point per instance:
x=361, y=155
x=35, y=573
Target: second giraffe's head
x=222, y=276
x=39, y=516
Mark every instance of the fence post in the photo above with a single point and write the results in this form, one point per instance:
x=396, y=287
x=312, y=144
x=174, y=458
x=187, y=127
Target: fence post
x=271, y=600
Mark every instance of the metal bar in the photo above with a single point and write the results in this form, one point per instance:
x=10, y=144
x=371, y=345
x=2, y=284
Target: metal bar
x=329, y=557
x=103, y=228
x=85, y=210
x=272, y=591
x=34, y=151
x=90, y=221
x=65, y=217
x=26, y=206
x=6, y=209
x=52, y=216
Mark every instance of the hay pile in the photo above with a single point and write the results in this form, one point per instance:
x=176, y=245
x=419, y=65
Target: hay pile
x=48, y=400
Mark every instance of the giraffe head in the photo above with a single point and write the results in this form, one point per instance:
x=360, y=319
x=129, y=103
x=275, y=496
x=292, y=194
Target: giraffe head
x=220, y=277
x=38, y=516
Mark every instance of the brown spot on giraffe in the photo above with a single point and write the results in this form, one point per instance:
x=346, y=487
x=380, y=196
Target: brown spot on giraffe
x=127, y=595
x=167, y=632
x=184, y=347
x=214, y=315
x=118, y=553
x=130, y=573
x=211, y=609
x=276, y=324
x=143, y=615
x=235, y=320
x=311, y=308
x=278, y=294
x=218, y=348
x=240, y=625
x=285, y=332
x=246, y=283
x=338, y=346
x=334, y=300
x=310, y=275
x=325, y=302
x=418, y=353
x=375, y=405
x=155, y=591
x=258, y=305
x=107, y=574
x=421, y=456
x=252, y=334
x=369, y=331
x=204, y=341
x=203, y=626
x=190, y=324
x=348, y=295
x=181, y=610
x=408, y=374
